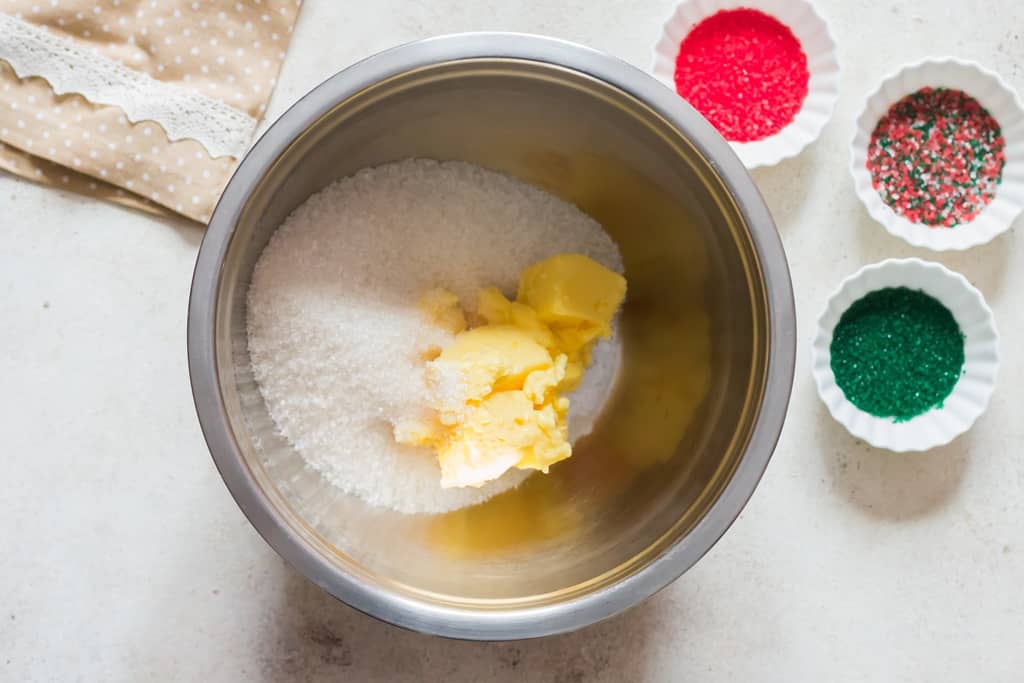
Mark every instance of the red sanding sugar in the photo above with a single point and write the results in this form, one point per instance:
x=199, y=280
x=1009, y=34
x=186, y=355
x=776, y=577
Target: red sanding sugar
x=744, y=71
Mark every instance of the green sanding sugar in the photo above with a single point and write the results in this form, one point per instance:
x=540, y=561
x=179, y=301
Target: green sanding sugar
x=897, y=352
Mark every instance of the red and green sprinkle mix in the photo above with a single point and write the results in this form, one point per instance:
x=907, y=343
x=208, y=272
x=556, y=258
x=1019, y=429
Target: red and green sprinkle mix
x=937, y=157
x=744, y=71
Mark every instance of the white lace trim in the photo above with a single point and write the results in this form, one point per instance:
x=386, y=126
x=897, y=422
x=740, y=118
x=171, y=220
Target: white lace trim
x=73, y=68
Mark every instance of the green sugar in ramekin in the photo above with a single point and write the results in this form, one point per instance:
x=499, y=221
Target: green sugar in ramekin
x=897, y=353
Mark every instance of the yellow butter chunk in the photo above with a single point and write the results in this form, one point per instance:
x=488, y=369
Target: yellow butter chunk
x=495, y=390
x=443, y=308
x=575, y=296
x=505, y=430
x=487, y=359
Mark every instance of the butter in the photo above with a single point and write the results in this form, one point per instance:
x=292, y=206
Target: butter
x=575, y=296
x=504, y=430
x=491, y=358
x=442, y=307
x=495, y=390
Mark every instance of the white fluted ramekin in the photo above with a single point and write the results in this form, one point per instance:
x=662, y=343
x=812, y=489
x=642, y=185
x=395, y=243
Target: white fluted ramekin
x=822, y=89
x=995, y=95
x=970, y=395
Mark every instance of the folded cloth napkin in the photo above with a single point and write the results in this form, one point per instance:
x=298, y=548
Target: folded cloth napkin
x=146, y=103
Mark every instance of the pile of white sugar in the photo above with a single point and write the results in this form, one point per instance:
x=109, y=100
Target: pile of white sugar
x=335, y=331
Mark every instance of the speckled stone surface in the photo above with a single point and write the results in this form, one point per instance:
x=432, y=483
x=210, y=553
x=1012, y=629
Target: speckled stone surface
x=124, y=558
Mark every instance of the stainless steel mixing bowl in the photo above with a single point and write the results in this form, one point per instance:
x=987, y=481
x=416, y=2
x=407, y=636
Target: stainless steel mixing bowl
x=708, y=338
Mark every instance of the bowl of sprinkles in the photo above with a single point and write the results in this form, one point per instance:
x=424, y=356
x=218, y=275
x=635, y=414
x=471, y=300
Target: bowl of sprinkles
x=906, y=355
x=938, y=157
x=762, y=72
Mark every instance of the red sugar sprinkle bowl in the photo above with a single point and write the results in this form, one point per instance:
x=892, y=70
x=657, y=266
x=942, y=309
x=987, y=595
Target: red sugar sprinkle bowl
x=763, y=73
x=745, y=71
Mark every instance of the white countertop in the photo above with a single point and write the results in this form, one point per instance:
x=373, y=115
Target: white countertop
x=125, y=559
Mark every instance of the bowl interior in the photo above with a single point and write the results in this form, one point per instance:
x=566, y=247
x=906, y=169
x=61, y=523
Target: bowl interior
x=694, y=336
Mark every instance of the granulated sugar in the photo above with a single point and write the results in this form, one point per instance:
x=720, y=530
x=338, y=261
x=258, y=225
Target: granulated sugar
x=335, y=333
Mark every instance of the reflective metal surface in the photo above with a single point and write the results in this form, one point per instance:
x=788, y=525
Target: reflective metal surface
x=708, y=332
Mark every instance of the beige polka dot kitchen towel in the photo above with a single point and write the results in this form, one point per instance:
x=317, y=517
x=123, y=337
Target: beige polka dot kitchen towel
x=147, y=103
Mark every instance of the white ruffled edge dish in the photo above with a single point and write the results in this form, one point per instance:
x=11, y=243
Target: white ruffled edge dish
x=998, y=98
x=970, y=395
x=822, y=89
